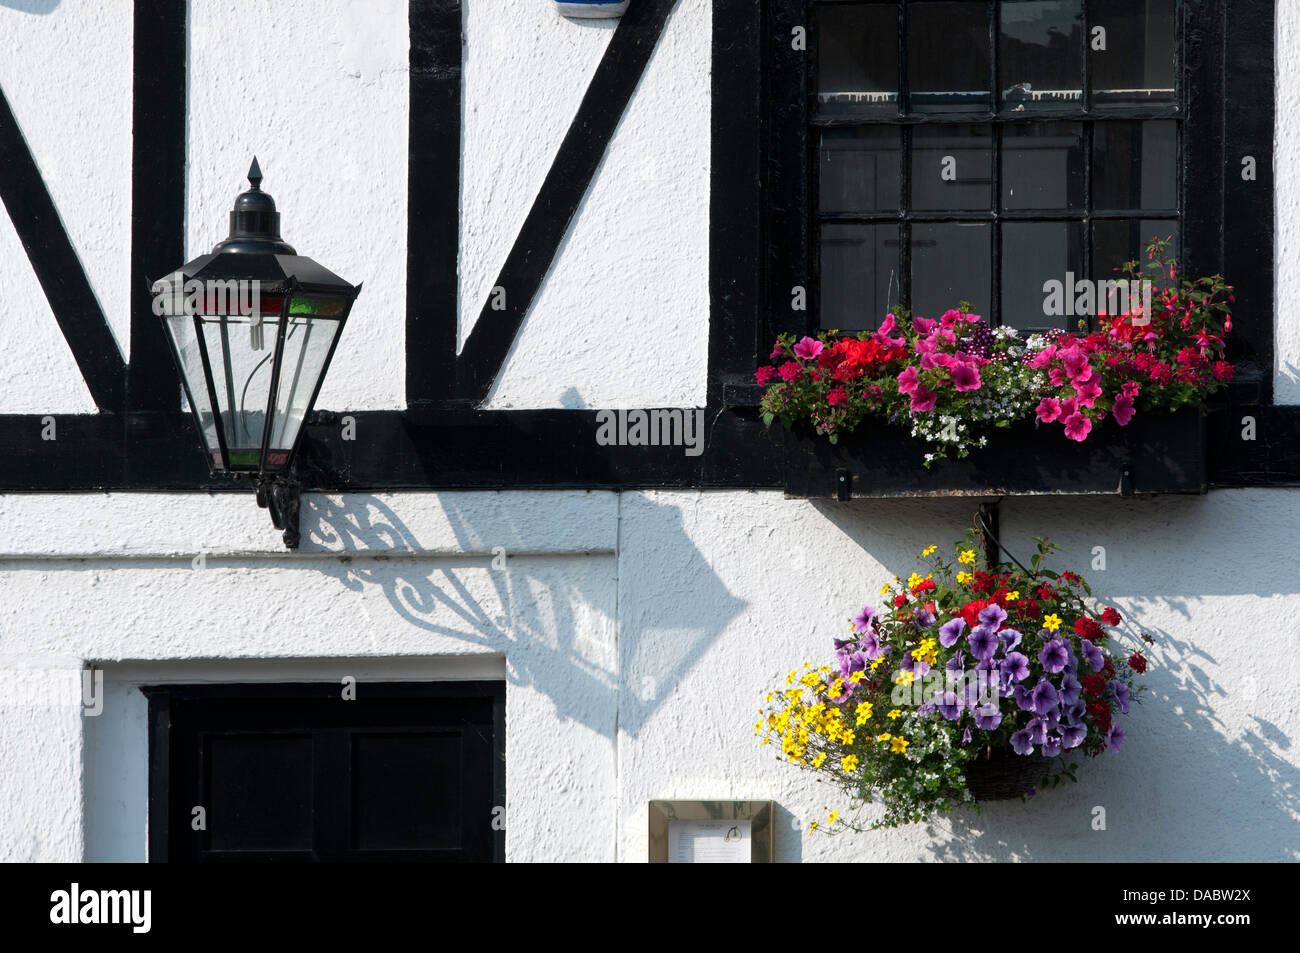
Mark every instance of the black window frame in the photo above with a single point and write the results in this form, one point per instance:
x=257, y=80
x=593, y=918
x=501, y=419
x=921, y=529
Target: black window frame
x=175, y=708
x=1214, y=200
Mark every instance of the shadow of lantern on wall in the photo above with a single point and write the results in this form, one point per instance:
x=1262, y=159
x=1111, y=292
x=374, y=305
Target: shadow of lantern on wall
x=252, y=328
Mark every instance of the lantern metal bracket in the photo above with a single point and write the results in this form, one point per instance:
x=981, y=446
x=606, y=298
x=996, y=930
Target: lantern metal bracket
x=281, y=494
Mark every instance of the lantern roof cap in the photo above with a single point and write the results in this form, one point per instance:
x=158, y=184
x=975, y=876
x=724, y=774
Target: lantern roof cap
x=254, y=222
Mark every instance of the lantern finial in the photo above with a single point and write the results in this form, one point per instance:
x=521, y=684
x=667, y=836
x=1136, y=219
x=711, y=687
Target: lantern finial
x=255, y=175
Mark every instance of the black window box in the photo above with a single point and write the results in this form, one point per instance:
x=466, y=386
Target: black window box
x=1155, y=453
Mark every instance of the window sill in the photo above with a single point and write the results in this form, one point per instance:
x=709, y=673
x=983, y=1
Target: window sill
x=1156, y=453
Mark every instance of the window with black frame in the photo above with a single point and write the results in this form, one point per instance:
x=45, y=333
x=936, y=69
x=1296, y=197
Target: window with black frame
x=977, y=149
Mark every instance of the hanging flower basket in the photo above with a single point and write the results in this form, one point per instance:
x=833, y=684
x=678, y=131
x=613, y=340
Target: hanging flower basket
x=962, y=686
x=1001, y=774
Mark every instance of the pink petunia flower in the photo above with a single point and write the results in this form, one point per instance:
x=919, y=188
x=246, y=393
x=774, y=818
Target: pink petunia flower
x=1077, y=427
x=808, y=348
x=923, y=400
x=1049, y=408
x=1123, y=410
x=924, y=325
x=907, y=381
x=1076, y=363
x=965, y=376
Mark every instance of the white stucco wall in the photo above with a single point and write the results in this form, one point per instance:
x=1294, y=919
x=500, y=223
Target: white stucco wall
x=636, y=633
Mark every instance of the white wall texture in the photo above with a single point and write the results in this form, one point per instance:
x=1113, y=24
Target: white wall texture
x=636, y=632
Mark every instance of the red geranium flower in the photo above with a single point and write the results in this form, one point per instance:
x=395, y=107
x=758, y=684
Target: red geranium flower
x=925, y=585
x=971, y=611
x=1094, y=685
x=900, y=600
x=1087, y=628
x=1110, y=616
x=1137, y=661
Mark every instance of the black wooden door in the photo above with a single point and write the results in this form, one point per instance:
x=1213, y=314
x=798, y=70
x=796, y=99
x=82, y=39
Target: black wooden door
x=294, y=772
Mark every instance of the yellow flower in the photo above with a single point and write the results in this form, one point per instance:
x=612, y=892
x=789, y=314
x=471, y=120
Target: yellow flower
x=895, y=714
x=817, y=761
x=1013, y=595
x=864, y=712
x=914, y=580
x=758, y=728
x=835, y=816
x=850, y=762
x=967, y=556
x=898, y=745
x=813, y=826
x=928, y=550
x=885, y=737
x=884, y=589
x=876, y=664
x=856, y=677
x=905, y=678
x=1051, y=621
x=964, y=577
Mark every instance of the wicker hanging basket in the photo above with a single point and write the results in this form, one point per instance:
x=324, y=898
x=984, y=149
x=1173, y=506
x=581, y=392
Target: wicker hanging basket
x=1001, y=774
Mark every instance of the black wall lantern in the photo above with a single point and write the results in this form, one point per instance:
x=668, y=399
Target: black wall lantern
x=252, y=327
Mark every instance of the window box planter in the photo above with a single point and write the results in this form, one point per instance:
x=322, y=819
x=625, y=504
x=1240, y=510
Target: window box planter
x=1156, y=453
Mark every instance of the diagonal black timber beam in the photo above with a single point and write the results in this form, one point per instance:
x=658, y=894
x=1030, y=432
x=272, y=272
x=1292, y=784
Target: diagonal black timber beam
x=58, y=268
x=557, y=202
x=157, y=193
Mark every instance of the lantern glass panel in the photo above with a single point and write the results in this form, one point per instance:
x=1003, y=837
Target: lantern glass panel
x=188, y=355
x=308, y=342
x=241, y=351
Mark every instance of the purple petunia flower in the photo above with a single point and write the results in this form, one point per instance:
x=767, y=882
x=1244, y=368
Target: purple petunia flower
x=987, y=717
x=1021, y=744
x=1121, y=693
x=1071, y=663
x=1074, y=714
x=965, y=736
x=1015, y=666
x=1070, y=689
x=950, y=632
x=1115, y=737
x=1053, y=656
x=1072, y=735
x=1024, y=701
x=949, y=705
x=993, y=616
x=957, y=663
x=1092, y=654
x=926, y=710
x=1044, y=697
x=983, y=643
x=1037, y=729
x=1010, y=639
x=863, y=620
x=1051, y=746
x=871, y=645
x=924, y=618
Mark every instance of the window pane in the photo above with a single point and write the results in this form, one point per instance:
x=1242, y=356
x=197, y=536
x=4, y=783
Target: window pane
x=1042, y=166
x=948, y=56
x=1041, y=54
x=859, y=275
x=1137, y=65
x=950, y=263
x=952, y=168
x=1134, y=165
x=858, y=170
x=1032, y=254
x=1117, y=241
x=857, y=58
